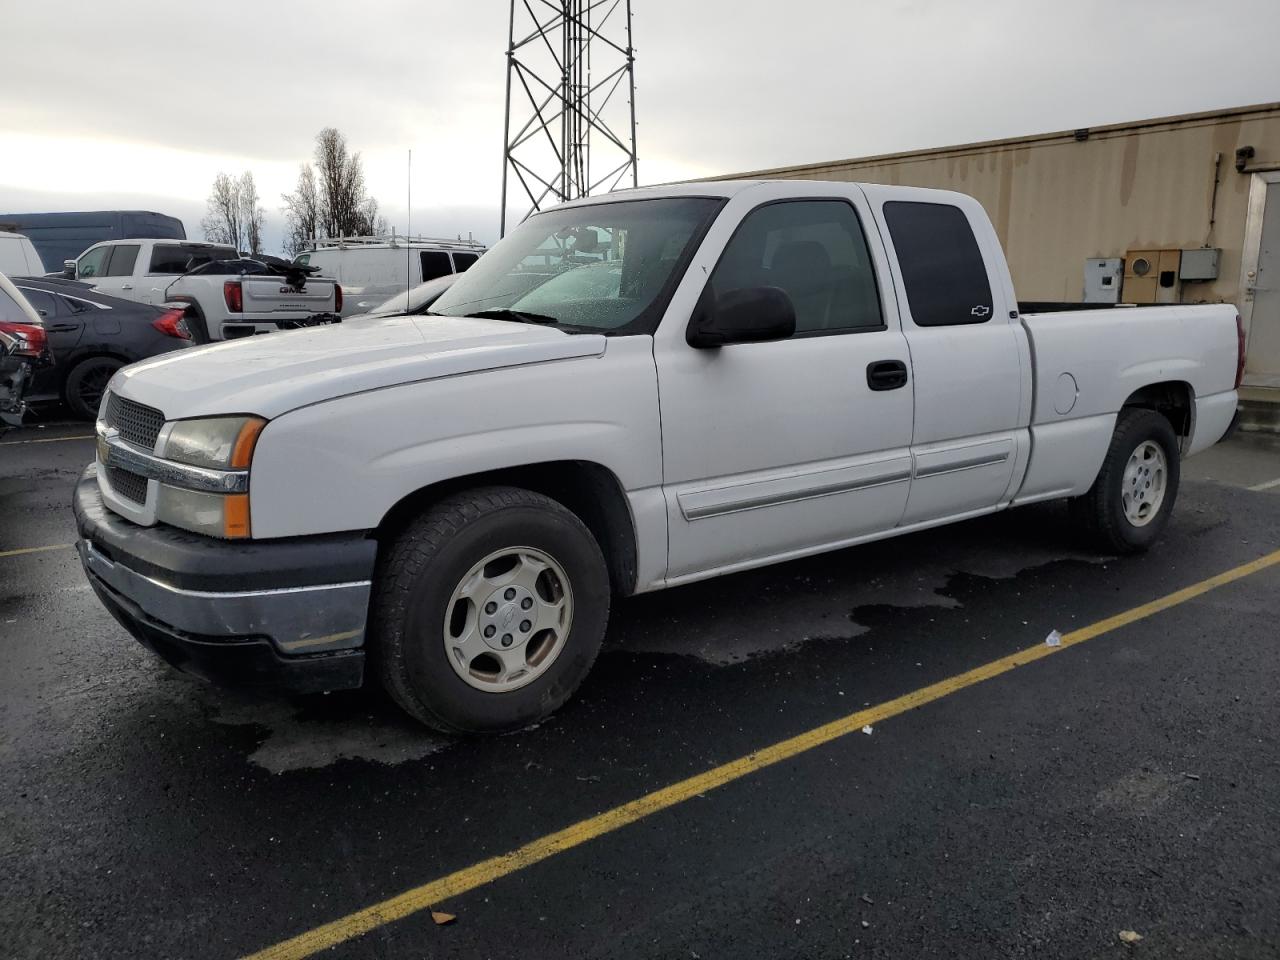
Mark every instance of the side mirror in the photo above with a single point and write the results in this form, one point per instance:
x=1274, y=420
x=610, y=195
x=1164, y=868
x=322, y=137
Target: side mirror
x=69, y=269
x=748, y=315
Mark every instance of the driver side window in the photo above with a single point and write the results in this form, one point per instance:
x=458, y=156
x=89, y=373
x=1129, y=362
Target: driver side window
x=815, y=252
x=93, y=263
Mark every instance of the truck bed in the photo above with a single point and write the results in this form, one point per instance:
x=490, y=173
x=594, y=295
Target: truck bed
x=1088, y=363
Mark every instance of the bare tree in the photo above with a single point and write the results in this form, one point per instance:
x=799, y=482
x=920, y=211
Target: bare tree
x=302, y=211
x=222, y=223
x=331, y=199
x=234, y=216
x=347, y=208
x=251, y=215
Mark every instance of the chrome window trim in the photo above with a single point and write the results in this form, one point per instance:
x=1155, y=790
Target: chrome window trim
x=65, y=296
x=87, y=303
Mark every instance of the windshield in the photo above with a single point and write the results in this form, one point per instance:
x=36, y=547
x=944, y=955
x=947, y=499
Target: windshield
x=411, y=301
x=606, y=267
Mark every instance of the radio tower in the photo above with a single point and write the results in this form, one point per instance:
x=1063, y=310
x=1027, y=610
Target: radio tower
x=570, y=126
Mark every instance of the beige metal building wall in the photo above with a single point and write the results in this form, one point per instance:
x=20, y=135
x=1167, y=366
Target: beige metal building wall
x=1057, y=199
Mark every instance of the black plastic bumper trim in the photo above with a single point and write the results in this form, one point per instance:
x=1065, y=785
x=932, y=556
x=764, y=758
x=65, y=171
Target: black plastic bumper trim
x=248, y=663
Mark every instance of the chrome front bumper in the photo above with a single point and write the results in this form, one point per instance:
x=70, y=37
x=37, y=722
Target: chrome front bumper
x=287, y=613
x=314, y=619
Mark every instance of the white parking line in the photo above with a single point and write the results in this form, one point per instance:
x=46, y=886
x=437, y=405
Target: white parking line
x=1266, y=486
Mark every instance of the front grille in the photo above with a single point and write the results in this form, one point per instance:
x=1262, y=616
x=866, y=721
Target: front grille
x=128, y=484
x=137, y=423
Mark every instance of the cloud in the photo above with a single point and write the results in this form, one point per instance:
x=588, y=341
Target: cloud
x=154, y=99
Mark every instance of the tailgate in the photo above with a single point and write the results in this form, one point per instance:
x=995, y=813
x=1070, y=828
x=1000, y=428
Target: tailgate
x=275, y=295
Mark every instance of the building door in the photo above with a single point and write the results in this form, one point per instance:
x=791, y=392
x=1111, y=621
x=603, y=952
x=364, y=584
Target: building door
x=1264, y=322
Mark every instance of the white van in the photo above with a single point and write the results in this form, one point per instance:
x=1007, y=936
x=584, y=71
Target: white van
x=18, y=257
x=372, y=269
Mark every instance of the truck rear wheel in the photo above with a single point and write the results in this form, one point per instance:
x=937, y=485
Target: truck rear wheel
x=488, y=611
x=1130, y=501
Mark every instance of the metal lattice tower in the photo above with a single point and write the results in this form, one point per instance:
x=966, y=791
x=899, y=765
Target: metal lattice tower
x=569, y=132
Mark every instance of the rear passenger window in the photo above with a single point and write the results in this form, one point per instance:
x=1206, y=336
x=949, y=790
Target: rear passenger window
x=169, y=259
x=942, y=267
x=172, y=259
x=461, y=261
x=435, y=263
x=43, y=302
x=123, y=258
x=814, y=251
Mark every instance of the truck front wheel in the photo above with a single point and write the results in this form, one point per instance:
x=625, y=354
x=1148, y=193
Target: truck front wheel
x=488, y=610
x=1131, y=500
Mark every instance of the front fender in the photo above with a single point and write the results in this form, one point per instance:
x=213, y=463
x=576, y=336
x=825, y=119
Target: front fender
x=343, y=464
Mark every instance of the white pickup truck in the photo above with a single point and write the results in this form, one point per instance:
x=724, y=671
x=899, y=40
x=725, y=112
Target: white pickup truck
x=230, y=299
x=141, y=269
x=627, y=393
x=225, y=296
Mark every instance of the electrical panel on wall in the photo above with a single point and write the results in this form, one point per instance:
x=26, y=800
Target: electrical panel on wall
x=1200, y=263
x=1102, y=279
x=1151, y=276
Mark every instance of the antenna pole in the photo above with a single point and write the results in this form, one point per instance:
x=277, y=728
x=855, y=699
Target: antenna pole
x=568, y=130
x=631, y=80
x=408, y=232
x=506, y=119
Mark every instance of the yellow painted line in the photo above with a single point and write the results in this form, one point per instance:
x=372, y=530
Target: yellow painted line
x=14, y=443
x=19, y=552
x=487, y=871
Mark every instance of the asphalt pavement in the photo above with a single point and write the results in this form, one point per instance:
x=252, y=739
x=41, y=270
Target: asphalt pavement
x=1128, y=783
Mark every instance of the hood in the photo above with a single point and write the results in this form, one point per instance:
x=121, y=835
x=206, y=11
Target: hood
x=271, y=374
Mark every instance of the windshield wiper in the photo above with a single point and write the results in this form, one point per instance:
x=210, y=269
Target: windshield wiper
x=519, y=316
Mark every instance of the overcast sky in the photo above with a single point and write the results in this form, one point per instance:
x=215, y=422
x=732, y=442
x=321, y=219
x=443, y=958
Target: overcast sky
x=130, y=103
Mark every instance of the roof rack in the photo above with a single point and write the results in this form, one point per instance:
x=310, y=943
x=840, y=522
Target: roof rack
x=394, y=240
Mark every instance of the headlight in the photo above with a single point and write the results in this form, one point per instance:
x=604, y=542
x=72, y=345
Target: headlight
x=222, y=444
x=223, y=515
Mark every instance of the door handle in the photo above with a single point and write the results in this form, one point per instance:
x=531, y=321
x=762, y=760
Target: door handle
x=126, y=286
x=886, y=374
x=63, y=328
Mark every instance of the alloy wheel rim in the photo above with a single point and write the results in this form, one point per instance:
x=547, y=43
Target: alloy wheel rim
x=92, y=386
x=1144, y=483
x=508, y=618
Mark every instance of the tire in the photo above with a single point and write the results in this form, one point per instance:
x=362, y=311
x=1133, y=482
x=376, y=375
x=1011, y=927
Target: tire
x=85, y=384
x=428, y=594
x=1116, y=522
x=195, y=323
